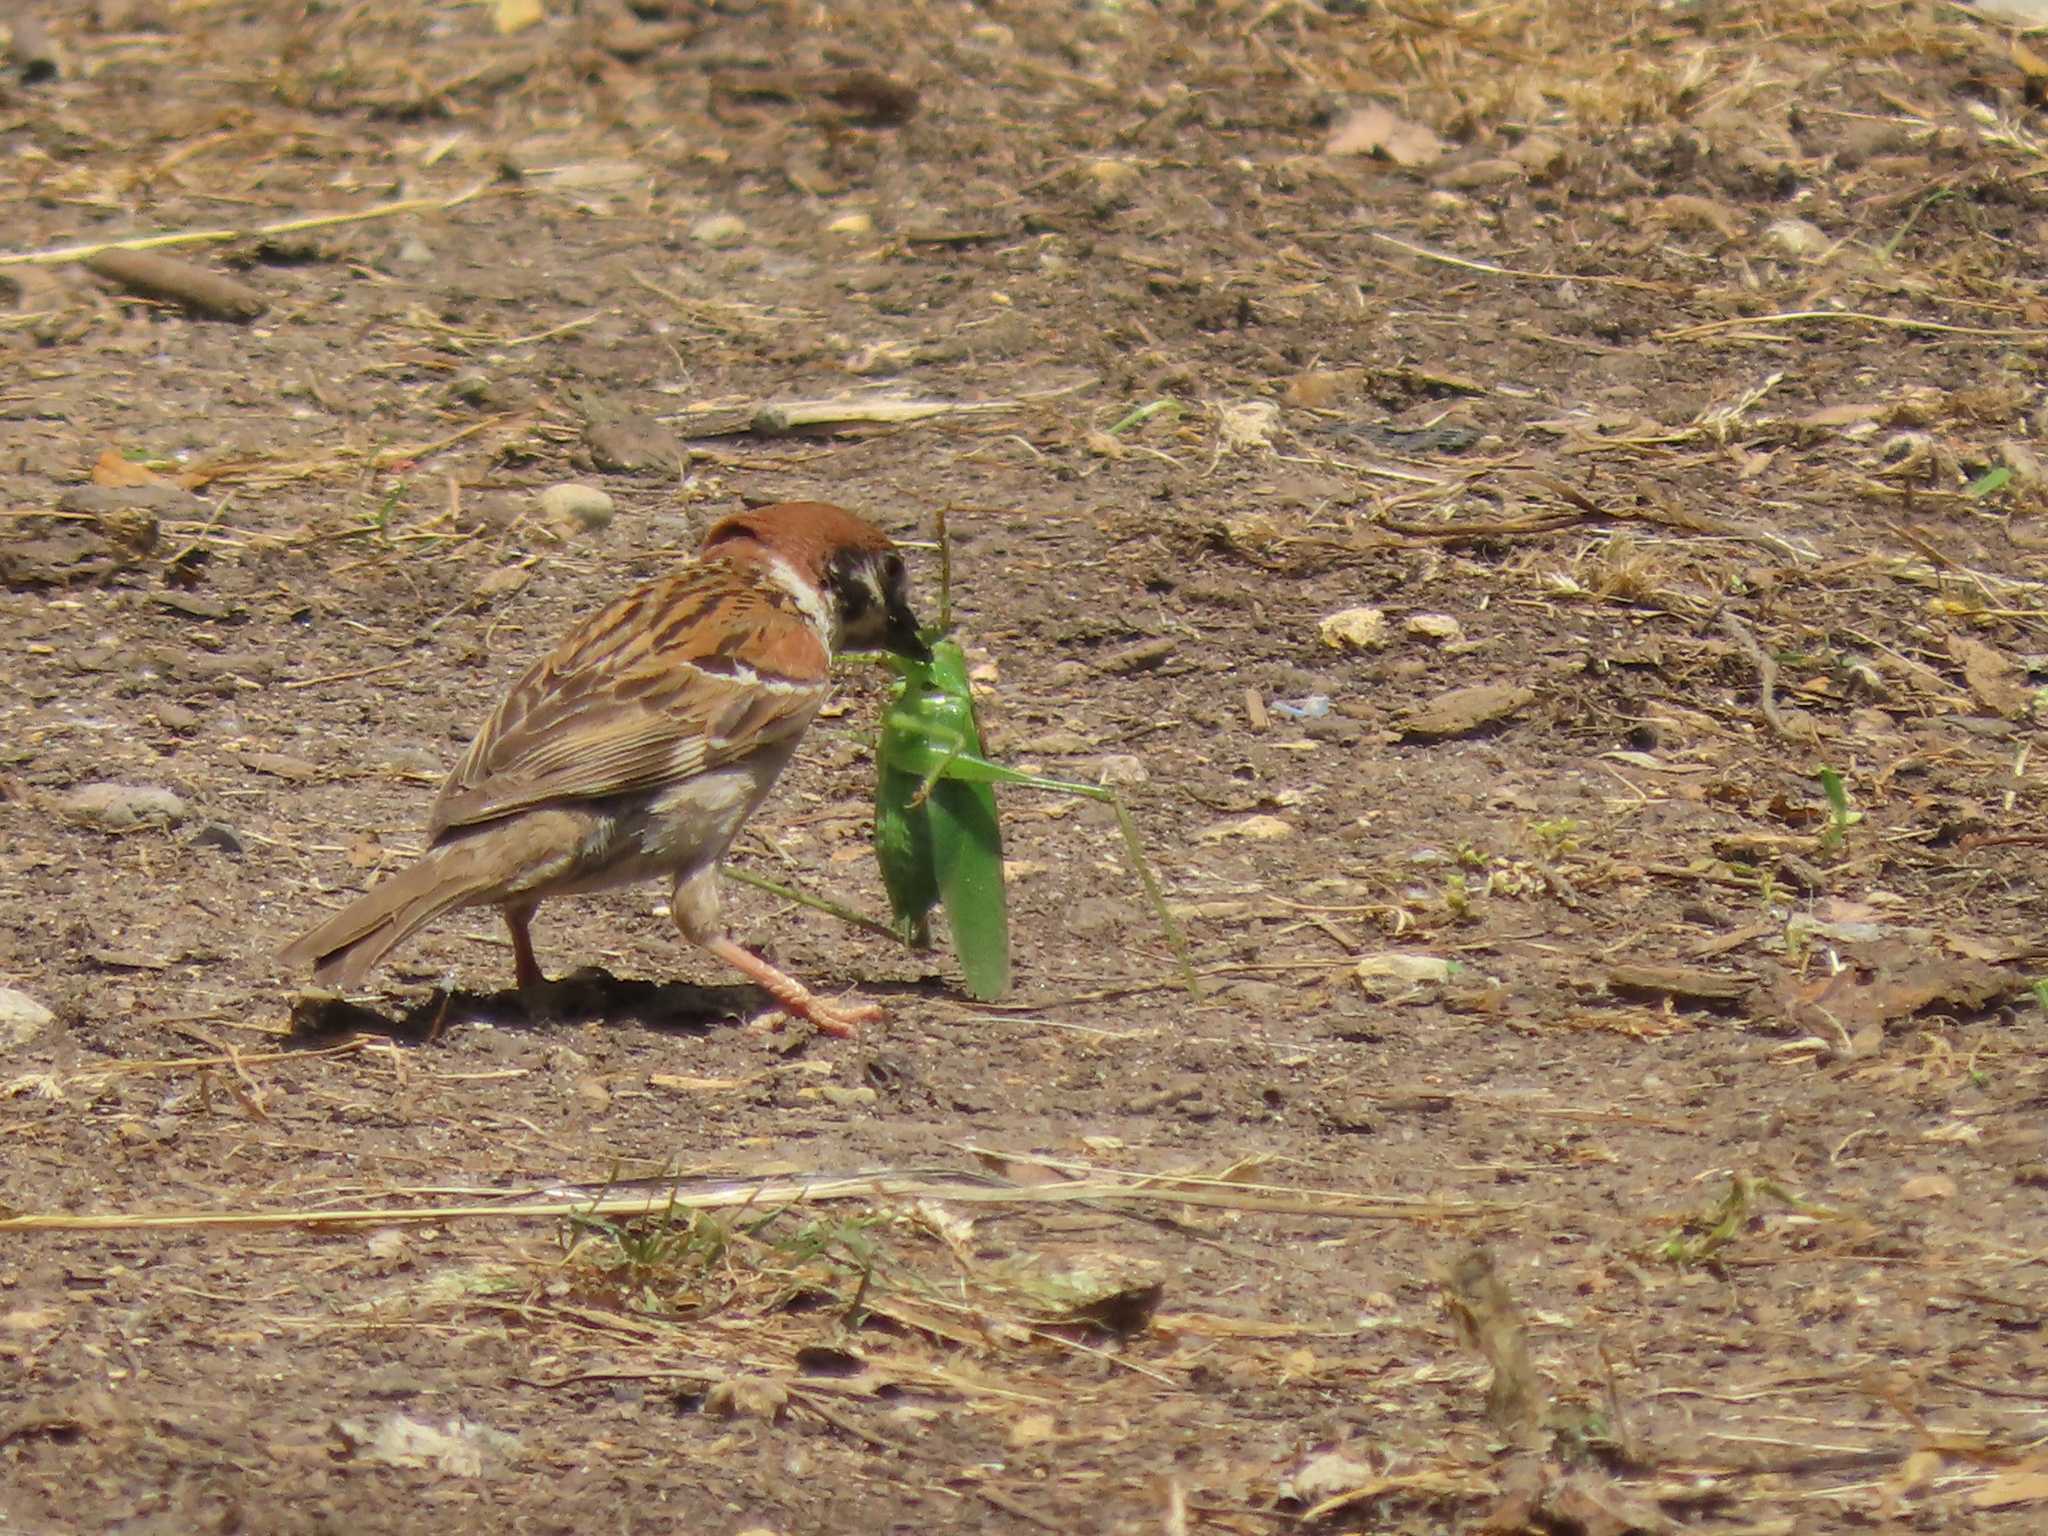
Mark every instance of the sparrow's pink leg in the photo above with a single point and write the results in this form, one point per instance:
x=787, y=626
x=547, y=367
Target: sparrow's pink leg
x=525, y=968
x=696, y=909
x=841, y=1019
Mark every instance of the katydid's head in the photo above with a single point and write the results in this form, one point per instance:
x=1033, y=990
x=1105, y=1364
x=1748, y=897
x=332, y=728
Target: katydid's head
x=851, y=566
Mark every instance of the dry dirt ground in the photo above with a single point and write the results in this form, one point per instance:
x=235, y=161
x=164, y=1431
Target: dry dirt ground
x=1587, y=1124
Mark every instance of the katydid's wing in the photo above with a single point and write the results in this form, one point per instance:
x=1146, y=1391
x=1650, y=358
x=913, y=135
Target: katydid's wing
x=903, y=849
x=903, y=832
x=692, y=672
x=967, y=857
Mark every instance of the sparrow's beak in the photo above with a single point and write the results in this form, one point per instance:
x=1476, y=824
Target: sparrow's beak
x=902, y=635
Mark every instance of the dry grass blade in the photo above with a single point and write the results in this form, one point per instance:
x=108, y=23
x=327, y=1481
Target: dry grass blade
x=787, y=1190
x=1492, y=270
x=1849, y=317
x=297, y=226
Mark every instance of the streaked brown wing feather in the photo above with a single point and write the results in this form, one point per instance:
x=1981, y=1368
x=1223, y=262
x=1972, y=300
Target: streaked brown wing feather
x=688, y=673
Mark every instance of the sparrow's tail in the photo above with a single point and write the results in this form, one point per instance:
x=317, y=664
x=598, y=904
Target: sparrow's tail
x=348, y=946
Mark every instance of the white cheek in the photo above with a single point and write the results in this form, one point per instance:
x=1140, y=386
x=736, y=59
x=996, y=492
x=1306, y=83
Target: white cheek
x=809, y=600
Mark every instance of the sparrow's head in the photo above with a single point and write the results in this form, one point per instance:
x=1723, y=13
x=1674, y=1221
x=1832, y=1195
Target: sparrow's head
x=849, y=563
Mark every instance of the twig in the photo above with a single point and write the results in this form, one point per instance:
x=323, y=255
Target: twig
x=236, y=1059
x=1767, y=674
x=1491, y=270
x=554, y=330
x=349, y=677
x=194, y=545
x=1010, y=1506
x=166, y=277
x=844, y=1423
x=1451, y=532
x=773, y=420
x=252, y=1098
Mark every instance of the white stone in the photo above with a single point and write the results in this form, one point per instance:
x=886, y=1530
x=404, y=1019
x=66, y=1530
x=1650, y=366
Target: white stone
x=575, y=507
x=22, y=1018
x=123, y=807
x=719, y=229
x=1355, y=629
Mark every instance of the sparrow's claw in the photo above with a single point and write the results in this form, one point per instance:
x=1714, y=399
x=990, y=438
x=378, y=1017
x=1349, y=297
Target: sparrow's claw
x=792, y=996
x=840, y=1020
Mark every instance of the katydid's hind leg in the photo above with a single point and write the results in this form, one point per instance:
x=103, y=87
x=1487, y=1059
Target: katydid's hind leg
x=954, y=753
x=699, y=917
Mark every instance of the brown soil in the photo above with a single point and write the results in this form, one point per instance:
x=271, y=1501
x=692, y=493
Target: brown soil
x=1669, y=374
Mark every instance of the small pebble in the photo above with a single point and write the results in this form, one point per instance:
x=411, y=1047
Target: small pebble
x=219, y=835
x=22, y=1018
x=719, y=229
x=851, y=224
x=1336, y=729
x=1355, y=629
x=1140, y=657
x=403, y=757
x=122, y=807
x=633, y=445
x=175, y=717
x=1115, y=181
x=1405, y=967
x=1541, y=156
x=1797, y=237
x=1258, y=829
x=1434, y=626
x=472, y=386
x=576, y=508
x=1121, y=768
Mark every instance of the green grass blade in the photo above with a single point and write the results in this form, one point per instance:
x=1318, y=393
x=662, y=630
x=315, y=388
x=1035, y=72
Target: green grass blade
x=1174, y=934
x=823, y=904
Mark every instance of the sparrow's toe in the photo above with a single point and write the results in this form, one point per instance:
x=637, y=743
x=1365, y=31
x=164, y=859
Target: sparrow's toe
x=795, y=999
x=842, y=1020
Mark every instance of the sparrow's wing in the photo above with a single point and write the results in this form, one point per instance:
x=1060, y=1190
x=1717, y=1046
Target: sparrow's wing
x=689, y=673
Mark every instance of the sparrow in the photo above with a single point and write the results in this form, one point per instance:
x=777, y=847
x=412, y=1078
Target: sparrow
x=639, y=746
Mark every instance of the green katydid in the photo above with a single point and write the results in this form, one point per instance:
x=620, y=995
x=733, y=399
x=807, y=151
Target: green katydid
x=937, y=835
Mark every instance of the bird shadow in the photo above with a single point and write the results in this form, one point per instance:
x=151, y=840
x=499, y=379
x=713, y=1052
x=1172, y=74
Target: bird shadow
x=589, y=996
